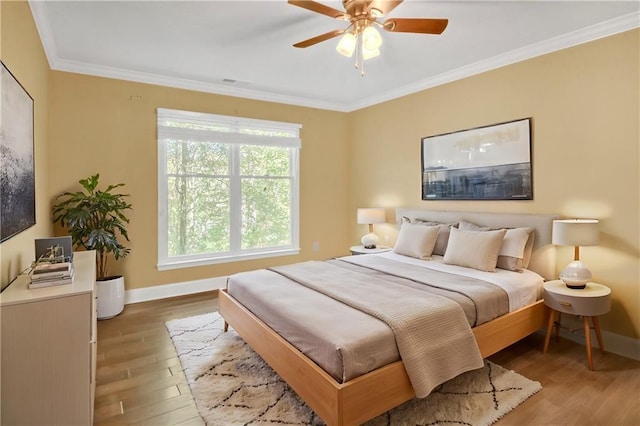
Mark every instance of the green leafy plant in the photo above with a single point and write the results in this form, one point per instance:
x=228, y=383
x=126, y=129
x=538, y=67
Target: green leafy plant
x=95, y=219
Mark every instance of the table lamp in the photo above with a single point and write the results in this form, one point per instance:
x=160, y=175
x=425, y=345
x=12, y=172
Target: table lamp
x=369, y=216
x=575, y=232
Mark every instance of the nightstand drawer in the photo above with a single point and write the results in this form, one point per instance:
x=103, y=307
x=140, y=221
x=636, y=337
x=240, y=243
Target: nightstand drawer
x=576, y=305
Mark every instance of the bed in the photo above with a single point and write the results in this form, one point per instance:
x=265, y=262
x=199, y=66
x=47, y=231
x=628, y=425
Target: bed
x=340, y=398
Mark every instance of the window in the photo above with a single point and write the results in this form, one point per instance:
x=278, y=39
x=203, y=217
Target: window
x=227, y=188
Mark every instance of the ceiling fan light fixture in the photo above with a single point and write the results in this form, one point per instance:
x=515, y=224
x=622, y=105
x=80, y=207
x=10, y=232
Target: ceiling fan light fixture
x=347, y=45
x=371, y=39
x=369, y=53
x=361, y=36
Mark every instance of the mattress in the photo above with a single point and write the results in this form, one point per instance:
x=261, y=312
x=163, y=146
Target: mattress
x=346, y=342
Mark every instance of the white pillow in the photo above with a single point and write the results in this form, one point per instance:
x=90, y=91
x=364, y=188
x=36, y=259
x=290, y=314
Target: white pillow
x=443, y=234
x=416, y=240
x=516, y=247
x=474, y=249
x=512, y=253
x=468, y=226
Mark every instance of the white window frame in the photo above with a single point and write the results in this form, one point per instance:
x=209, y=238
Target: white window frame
x=235, y=131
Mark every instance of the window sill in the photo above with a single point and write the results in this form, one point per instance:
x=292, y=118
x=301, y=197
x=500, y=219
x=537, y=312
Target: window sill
x=166, y=266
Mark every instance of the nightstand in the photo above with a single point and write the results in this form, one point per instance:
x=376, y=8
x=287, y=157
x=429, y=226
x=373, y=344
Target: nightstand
x=361, y=250
x=593, y=300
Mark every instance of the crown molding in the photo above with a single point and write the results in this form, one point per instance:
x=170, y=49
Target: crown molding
x=585, y=35
x=574, y=38
x=44, y=29
x=195, y=85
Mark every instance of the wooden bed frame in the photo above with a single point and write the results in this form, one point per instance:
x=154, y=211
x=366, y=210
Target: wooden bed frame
x=374, y=393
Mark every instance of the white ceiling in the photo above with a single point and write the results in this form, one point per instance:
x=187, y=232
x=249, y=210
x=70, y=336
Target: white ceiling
x=200, y=44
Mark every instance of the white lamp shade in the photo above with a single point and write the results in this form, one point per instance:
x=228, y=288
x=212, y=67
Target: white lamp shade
x=369, y=53
x=575, y=232
x=371, y=39
x=370, y=215
x=347, y=45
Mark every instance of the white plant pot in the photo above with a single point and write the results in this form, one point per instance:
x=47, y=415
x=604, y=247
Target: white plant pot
x=110, y=297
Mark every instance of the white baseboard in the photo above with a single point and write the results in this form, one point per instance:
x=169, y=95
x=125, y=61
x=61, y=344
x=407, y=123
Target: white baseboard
x=145, y=294
x=615, y=343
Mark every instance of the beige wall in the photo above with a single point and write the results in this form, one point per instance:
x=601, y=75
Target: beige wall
x=23, y=55
x=107, y=126
x=584, y=104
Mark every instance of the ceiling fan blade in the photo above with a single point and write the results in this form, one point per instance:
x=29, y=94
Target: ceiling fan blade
x=415, y=25
x=318, y=8
x=318, y=39
x=384, y=6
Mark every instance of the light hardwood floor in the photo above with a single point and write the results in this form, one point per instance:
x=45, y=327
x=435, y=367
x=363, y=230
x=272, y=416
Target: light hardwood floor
x=140, y=381
x=139, y=378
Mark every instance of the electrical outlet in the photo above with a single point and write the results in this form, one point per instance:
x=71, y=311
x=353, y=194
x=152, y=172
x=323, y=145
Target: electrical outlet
x=316, y=246
x=387, y=239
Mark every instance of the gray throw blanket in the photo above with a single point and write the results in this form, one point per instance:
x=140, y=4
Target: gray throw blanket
x=433, y=336
x=482, y=301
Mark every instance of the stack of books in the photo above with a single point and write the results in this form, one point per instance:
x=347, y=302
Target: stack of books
x=49, y=274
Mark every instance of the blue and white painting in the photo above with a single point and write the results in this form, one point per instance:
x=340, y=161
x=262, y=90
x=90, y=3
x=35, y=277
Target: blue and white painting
x=17, y=180
x=484, y=163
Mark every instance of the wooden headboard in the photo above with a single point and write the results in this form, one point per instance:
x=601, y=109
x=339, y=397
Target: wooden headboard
x=543, y=259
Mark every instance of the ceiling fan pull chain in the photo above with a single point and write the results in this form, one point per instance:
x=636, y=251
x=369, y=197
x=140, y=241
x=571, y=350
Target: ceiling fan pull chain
x=361, y=55
x=357, y=55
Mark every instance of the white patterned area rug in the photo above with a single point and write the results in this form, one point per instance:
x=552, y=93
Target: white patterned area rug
x=232, y=385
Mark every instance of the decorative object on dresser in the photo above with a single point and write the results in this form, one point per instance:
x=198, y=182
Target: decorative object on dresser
x=45, y=274
x=55, y=249
x=53, y=265
x=575, y=232
x=96, y=219
x=369, y=216
x=49, y=339
x=484, y=163
x=590, y=302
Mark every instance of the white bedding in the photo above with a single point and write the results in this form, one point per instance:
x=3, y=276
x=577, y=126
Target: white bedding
x=523, y=288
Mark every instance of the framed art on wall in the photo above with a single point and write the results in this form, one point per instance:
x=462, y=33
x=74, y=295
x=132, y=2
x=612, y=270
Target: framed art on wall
x=17, y=174
x=484, y=163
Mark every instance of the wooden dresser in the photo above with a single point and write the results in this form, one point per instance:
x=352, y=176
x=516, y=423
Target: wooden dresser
x=49, y=349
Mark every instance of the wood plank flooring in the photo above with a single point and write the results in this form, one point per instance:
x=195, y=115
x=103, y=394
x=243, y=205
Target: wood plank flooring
x=140, y=380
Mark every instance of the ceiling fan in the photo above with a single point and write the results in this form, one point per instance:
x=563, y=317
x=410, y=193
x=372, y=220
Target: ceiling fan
x=363, y=16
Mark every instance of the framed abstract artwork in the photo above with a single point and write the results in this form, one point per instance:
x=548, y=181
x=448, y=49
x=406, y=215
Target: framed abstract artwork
x=17, y=174
x=484, y=163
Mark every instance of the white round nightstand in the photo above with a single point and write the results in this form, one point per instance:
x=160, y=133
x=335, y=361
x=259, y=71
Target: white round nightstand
x=593, y=300
x=361, y=250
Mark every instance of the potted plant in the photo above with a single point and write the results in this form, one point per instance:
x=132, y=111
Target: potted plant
x=96, y=220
